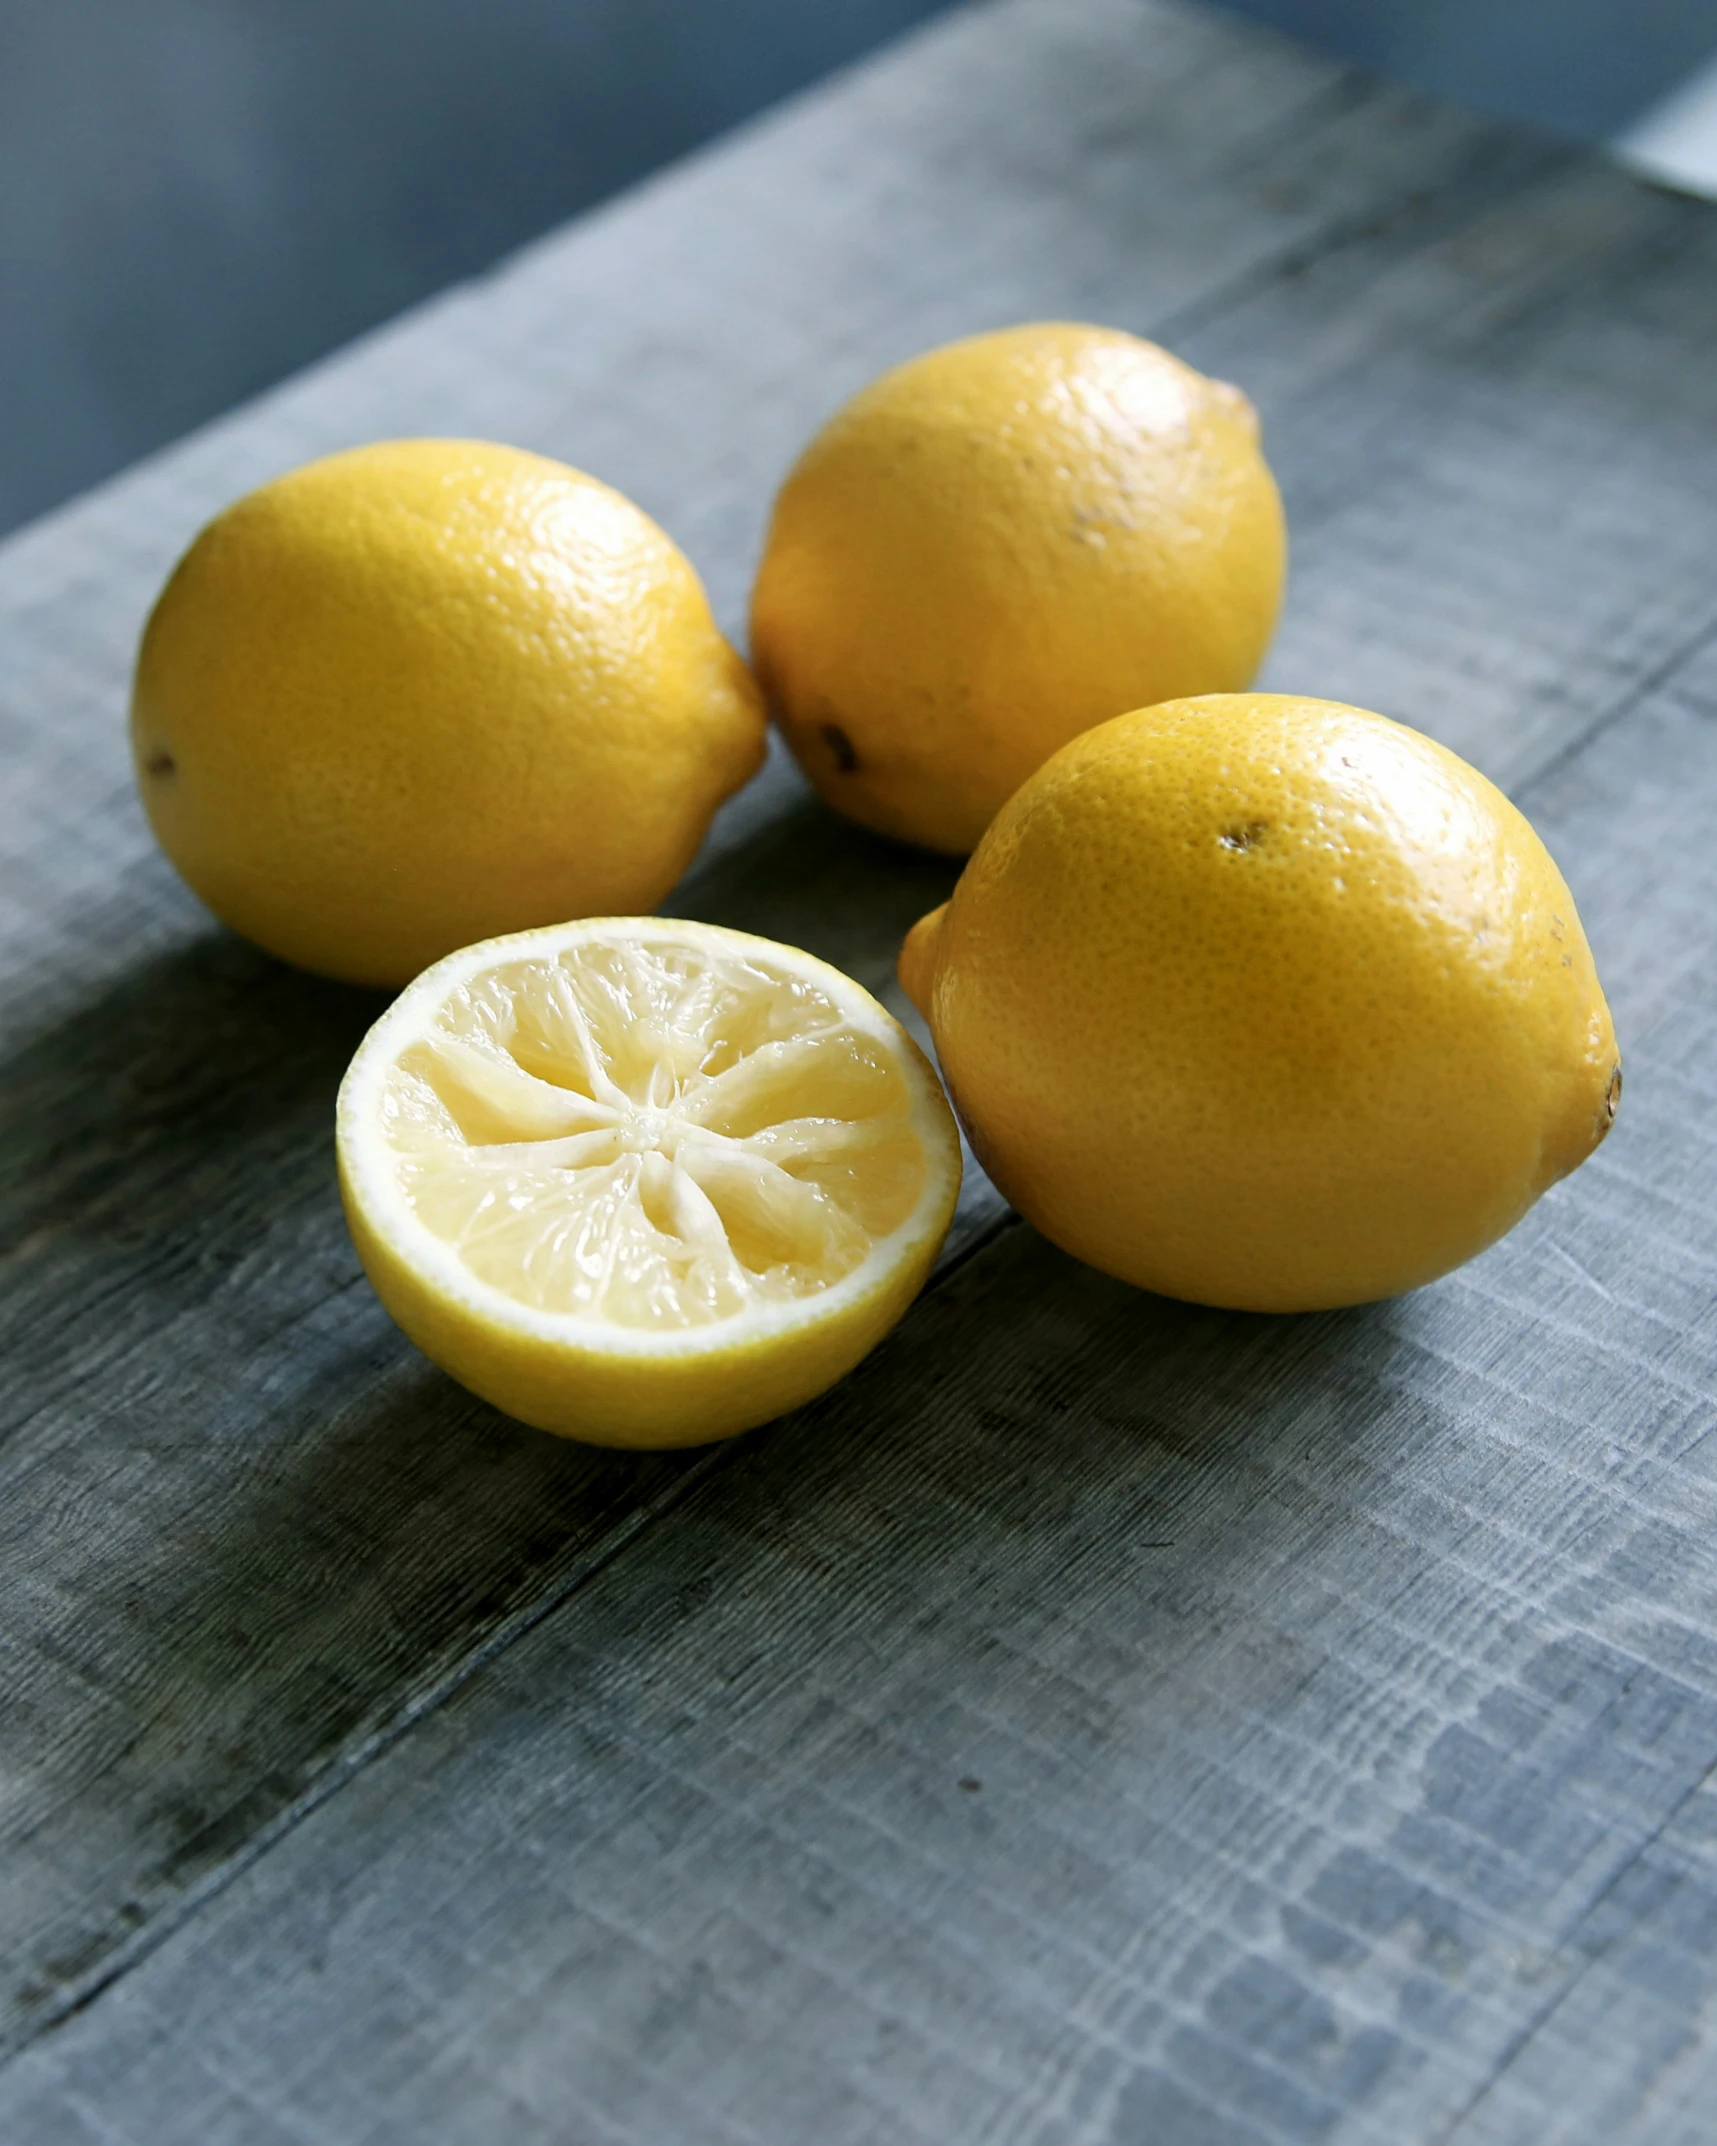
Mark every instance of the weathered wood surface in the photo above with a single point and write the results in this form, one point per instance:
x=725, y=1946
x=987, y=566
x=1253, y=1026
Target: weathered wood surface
x=1341, y=1693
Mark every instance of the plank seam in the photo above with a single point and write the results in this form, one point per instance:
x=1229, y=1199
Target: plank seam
x=1642, y=689
x=1518, y=2044
x=1358, y=229
x=349, y=1763
x=465, y=1665
x=472, y=1658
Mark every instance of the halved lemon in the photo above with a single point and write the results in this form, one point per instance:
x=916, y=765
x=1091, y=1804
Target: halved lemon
x=643, y=1182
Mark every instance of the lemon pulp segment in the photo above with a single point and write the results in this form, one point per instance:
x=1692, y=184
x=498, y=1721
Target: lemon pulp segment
x=630, y=1143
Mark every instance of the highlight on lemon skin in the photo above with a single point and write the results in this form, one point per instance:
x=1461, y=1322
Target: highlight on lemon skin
x=424, y=691
x=998, y=544
x=1267, y=1002
x=644, y=1182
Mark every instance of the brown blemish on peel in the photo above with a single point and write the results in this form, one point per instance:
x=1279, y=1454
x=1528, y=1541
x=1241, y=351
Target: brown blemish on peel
x=1247, y=837
x=845, y=754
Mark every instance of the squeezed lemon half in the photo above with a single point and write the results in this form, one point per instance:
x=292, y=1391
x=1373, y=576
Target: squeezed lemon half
x=644, y=1182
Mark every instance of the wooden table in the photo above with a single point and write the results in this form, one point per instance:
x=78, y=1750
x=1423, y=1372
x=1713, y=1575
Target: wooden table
x=1100, y=1719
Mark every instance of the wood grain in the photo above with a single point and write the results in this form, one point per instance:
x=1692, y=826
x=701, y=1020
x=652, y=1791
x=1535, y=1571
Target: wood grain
x=1100, y=1720
x=398, y=1773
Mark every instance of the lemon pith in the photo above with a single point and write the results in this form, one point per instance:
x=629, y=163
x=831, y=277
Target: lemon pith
x=1267, y=1002
x=998, y=544
x=644, y=1182
x=415, y=694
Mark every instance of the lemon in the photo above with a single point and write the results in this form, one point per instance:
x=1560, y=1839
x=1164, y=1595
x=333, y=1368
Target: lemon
x=643, y=1182
x=429, y=690
x=997, y=545
x=1267, y=1002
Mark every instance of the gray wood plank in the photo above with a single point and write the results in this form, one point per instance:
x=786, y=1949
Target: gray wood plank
x=247, y=1531
x=1101, y=1720
x=249, y=1538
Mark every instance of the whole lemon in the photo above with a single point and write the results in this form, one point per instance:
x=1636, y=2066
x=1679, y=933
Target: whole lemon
x=427, y=691
x=997, y=545
x=1267, y=1002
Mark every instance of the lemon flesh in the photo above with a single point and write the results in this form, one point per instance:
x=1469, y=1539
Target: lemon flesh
x=644, y=1182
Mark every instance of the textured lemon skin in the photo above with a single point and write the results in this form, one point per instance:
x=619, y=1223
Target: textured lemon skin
x=1268, y=1003
x=997, y=545
x=426, y=691
x=609, y=1387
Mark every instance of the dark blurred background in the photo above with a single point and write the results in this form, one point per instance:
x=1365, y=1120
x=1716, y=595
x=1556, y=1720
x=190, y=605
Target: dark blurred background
x=1583, y=67
x=197, y=196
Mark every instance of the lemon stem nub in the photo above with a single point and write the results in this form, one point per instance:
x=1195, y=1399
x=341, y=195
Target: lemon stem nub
x=918, y=958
